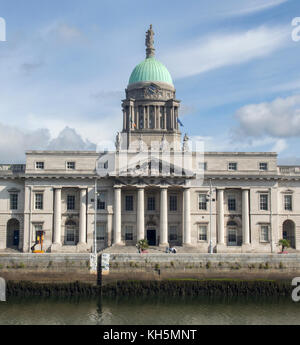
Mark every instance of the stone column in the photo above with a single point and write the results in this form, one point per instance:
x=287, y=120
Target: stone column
x=245, y=216
x=221, y=216
x=124, y=119
x=163, y=238
x=117, y=216
x=57, y=216
x=186, y=216
x=140, y=214
x=165, y=118
x=82, y=216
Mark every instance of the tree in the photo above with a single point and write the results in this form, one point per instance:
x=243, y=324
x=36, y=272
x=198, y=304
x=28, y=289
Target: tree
x=284, y=244
x=142, y=245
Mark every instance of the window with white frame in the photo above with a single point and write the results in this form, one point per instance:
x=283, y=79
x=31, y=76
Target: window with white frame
x=39, y=165
x=101, y=229
x=71, y=165
x=202, y=166
x=128, y=233
x=151, y=203
x=39, y=201
x=202, y=201
x=232, y=166
x=202, y=232
x=172, y=233
x=101, y=201
x=263, y=202
x=231, y=203
x=263, y=166
x=103, y=165
x=71, y=202
x=13, y=201
x=173, y=202
x=264, y=233
x=288, y=202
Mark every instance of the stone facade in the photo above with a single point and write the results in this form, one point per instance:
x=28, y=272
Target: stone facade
x=244, y=203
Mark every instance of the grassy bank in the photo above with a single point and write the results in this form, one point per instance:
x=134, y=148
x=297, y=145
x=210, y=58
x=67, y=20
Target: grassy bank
x=171, y=287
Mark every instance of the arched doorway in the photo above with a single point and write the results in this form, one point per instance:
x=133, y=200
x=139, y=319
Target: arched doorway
x=13, y=234
x=288, y=232
x=70, y=233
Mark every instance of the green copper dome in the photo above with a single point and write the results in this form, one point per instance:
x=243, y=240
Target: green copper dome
x=150, y=70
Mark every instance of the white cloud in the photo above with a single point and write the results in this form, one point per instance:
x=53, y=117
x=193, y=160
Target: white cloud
x=69, y=139
x=280, y=146
x=217, y=51
x=14, y=142
x=279, y=118
x=254, y=6
x=62, y=31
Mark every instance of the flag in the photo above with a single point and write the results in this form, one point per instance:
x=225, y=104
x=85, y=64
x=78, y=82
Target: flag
x=133, y=124
x=181, y=124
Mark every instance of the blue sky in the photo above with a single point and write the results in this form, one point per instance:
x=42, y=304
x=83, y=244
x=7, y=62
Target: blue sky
x=65, y=65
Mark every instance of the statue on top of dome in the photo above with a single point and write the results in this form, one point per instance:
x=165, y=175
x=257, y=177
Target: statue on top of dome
x=150, y=43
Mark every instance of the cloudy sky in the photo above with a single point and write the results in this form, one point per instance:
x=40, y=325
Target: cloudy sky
x=66, y=63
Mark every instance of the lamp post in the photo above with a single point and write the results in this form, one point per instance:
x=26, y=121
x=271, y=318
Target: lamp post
x=210, y=218
x=95, y=223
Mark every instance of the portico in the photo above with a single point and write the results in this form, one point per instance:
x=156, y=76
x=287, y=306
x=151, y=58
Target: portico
x=155, y=207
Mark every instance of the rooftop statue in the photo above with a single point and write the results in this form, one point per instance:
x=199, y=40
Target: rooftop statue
x=186, y=143
x=150, y=43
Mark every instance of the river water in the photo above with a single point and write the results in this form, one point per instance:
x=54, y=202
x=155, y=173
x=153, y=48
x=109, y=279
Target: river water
x=150, y=311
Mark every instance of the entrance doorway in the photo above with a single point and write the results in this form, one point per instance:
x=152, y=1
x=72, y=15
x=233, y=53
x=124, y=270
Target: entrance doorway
x=232, y=236
x=288, y=232
x=13, y=234
x=151, y=237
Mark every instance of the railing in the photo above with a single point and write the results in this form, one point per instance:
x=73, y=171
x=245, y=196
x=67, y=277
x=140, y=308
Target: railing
x=289, y=169
x=14, y=168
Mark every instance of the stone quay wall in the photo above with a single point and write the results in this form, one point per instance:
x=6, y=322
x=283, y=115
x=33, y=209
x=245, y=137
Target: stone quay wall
x=70, y=267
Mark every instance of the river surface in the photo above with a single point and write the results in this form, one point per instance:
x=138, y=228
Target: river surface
x=149, y=311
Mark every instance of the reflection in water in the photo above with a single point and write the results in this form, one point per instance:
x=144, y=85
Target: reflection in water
x=155, y=311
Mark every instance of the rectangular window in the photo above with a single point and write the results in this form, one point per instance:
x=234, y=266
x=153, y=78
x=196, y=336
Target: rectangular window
x=151, y=203
x=71, y=202
x=263, y=202
x=39, y=165
x=202, y=166
x=13, y=201
x=288, y=202
x=264, y=233
x=173, y=202
x=202, y=202
x=231, y=203
x=263, y=166
x=173, y=233
x=232, y=166
x=129, y=202
x=71, y=165
x=128, y=233
x=39, y=201
x=101, y=201
x=101, y=229
x=202, y=233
